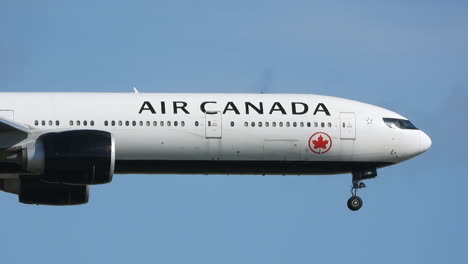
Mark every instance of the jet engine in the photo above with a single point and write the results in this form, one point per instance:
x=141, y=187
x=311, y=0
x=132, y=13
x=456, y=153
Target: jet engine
x=35, y=191
x=38, y=192
x=81, y=157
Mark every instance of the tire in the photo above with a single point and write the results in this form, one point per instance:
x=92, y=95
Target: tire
x=354, y=203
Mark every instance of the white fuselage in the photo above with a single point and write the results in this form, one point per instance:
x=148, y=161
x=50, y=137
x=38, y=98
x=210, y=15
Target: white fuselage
x=223, y=133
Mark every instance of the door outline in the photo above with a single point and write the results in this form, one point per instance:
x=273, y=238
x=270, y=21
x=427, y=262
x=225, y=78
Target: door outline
x=9, y=114
x=348, y=126
x=213, y=125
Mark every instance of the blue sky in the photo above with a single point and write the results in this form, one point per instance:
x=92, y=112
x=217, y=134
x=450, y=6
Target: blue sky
x=408, y=56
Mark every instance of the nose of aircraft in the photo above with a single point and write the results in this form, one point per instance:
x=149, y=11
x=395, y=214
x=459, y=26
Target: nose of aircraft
x=425, y=142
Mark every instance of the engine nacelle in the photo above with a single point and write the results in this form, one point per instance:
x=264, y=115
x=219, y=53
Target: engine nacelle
x=73, y=157
x=37, y=192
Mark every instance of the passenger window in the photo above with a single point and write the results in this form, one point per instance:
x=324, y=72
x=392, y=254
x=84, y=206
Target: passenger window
x=182, y=123
x=36, y=122
x=127, y=123
x=281, y=124
x=197, y=123
x=329, y=124
x=274, y=124
x=308, y=124
x=113, y=123
x=141, y=123
x=294, y=124
x=155, y=123
x=85, y=123
x=106, y=123
x=92, y=123
x=288, y=124
x=232, y=123
x=253, y=124
x=323, y=124
x=78, y=123
x=176, y=123
x=316, y=124
x=302, y=124
x=209, y=123
x=260, y=124
x=133, y=123
x=344, y=125
x=267, y=124
x=161, y=123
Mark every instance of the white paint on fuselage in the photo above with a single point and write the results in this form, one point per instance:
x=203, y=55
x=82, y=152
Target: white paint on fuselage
x=375, y=141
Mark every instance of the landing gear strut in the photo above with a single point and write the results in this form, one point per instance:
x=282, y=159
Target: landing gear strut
x=355, y=202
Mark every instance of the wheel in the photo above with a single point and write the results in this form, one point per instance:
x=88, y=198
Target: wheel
x=354, y=203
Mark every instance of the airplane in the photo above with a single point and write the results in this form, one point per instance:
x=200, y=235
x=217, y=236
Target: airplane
x=53, y=146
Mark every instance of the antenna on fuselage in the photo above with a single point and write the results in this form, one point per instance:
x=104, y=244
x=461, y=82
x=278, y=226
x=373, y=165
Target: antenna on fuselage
x=135, y=90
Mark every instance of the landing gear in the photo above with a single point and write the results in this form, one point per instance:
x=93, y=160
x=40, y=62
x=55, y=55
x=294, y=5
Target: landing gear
x=355, y=202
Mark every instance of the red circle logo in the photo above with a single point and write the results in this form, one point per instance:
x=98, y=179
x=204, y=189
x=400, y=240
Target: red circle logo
x=320, y=143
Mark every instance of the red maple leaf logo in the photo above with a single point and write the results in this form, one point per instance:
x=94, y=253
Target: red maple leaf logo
x=320, y=143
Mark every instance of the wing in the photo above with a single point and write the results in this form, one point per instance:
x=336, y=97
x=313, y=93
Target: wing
x=7, y=125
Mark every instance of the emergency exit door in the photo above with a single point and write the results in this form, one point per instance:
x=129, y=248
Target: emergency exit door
x=348, y=126
x=213, y=125
x=8, y=114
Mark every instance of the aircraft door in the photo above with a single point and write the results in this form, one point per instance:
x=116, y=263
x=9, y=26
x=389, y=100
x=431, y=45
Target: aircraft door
x=348, y=126
x=9, y=114
x=213, y=125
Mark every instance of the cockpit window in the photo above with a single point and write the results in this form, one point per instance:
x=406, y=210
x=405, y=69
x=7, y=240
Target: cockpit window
x=400, y=123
